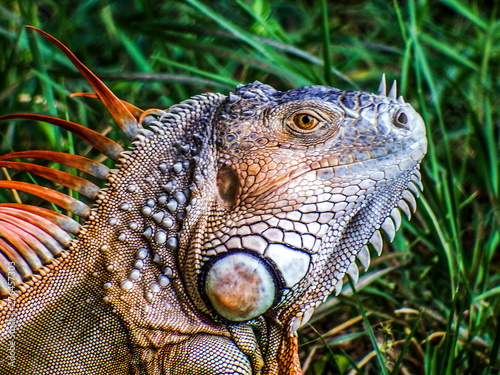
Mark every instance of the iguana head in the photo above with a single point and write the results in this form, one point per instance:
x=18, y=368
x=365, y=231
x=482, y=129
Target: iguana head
x=305, y=179
x=233, y=217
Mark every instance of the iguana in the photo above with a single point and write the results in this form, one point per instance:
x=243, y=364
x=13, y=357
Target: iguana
x=222, y=228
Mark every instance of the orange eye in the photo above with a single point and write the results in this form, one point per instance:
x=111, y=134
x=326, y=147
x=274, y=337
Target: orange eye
x=305, y=121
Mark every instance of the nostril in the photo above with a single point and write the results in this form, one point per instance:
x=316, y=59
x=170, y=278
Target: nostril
x=401, y=119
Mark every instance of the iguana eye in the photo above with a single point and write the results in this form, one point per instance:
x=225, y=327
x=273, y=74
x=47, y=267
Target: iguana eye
x=305, y=121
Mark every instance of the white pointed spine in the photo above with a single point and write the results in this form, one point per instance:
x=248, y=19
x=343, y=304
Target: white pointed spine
x=396, y=217
x=145, y=132
x=415, y=178
x=414, y=189
x=382, y=90
x=376, y=241
x=410, y=199
x=404, y=207
x=338, y=287
x=353, y=272
x=307, y=315
x=389, y=229
x=364, y=257
x=393, y=92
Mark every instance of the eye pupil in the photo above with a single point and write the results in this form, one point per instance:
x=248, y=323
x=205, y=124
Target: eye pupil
x=305, y=122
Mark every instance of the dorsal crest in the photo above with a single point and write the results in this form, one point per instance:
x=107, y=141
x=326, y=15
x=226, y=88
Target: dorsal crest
x=32, y=237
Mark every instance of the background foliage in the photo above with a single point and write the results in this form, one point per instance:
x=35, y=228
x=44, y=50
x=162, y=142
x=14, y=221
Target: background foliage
x=430, y=304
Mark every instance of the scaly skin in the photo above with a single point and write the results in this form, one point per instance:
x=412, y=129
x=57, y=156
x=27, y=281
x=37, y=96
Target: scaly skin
x=282, y=203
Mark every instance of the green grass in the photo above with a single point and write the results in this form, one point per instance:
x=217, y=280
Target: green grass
x=430, y=304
